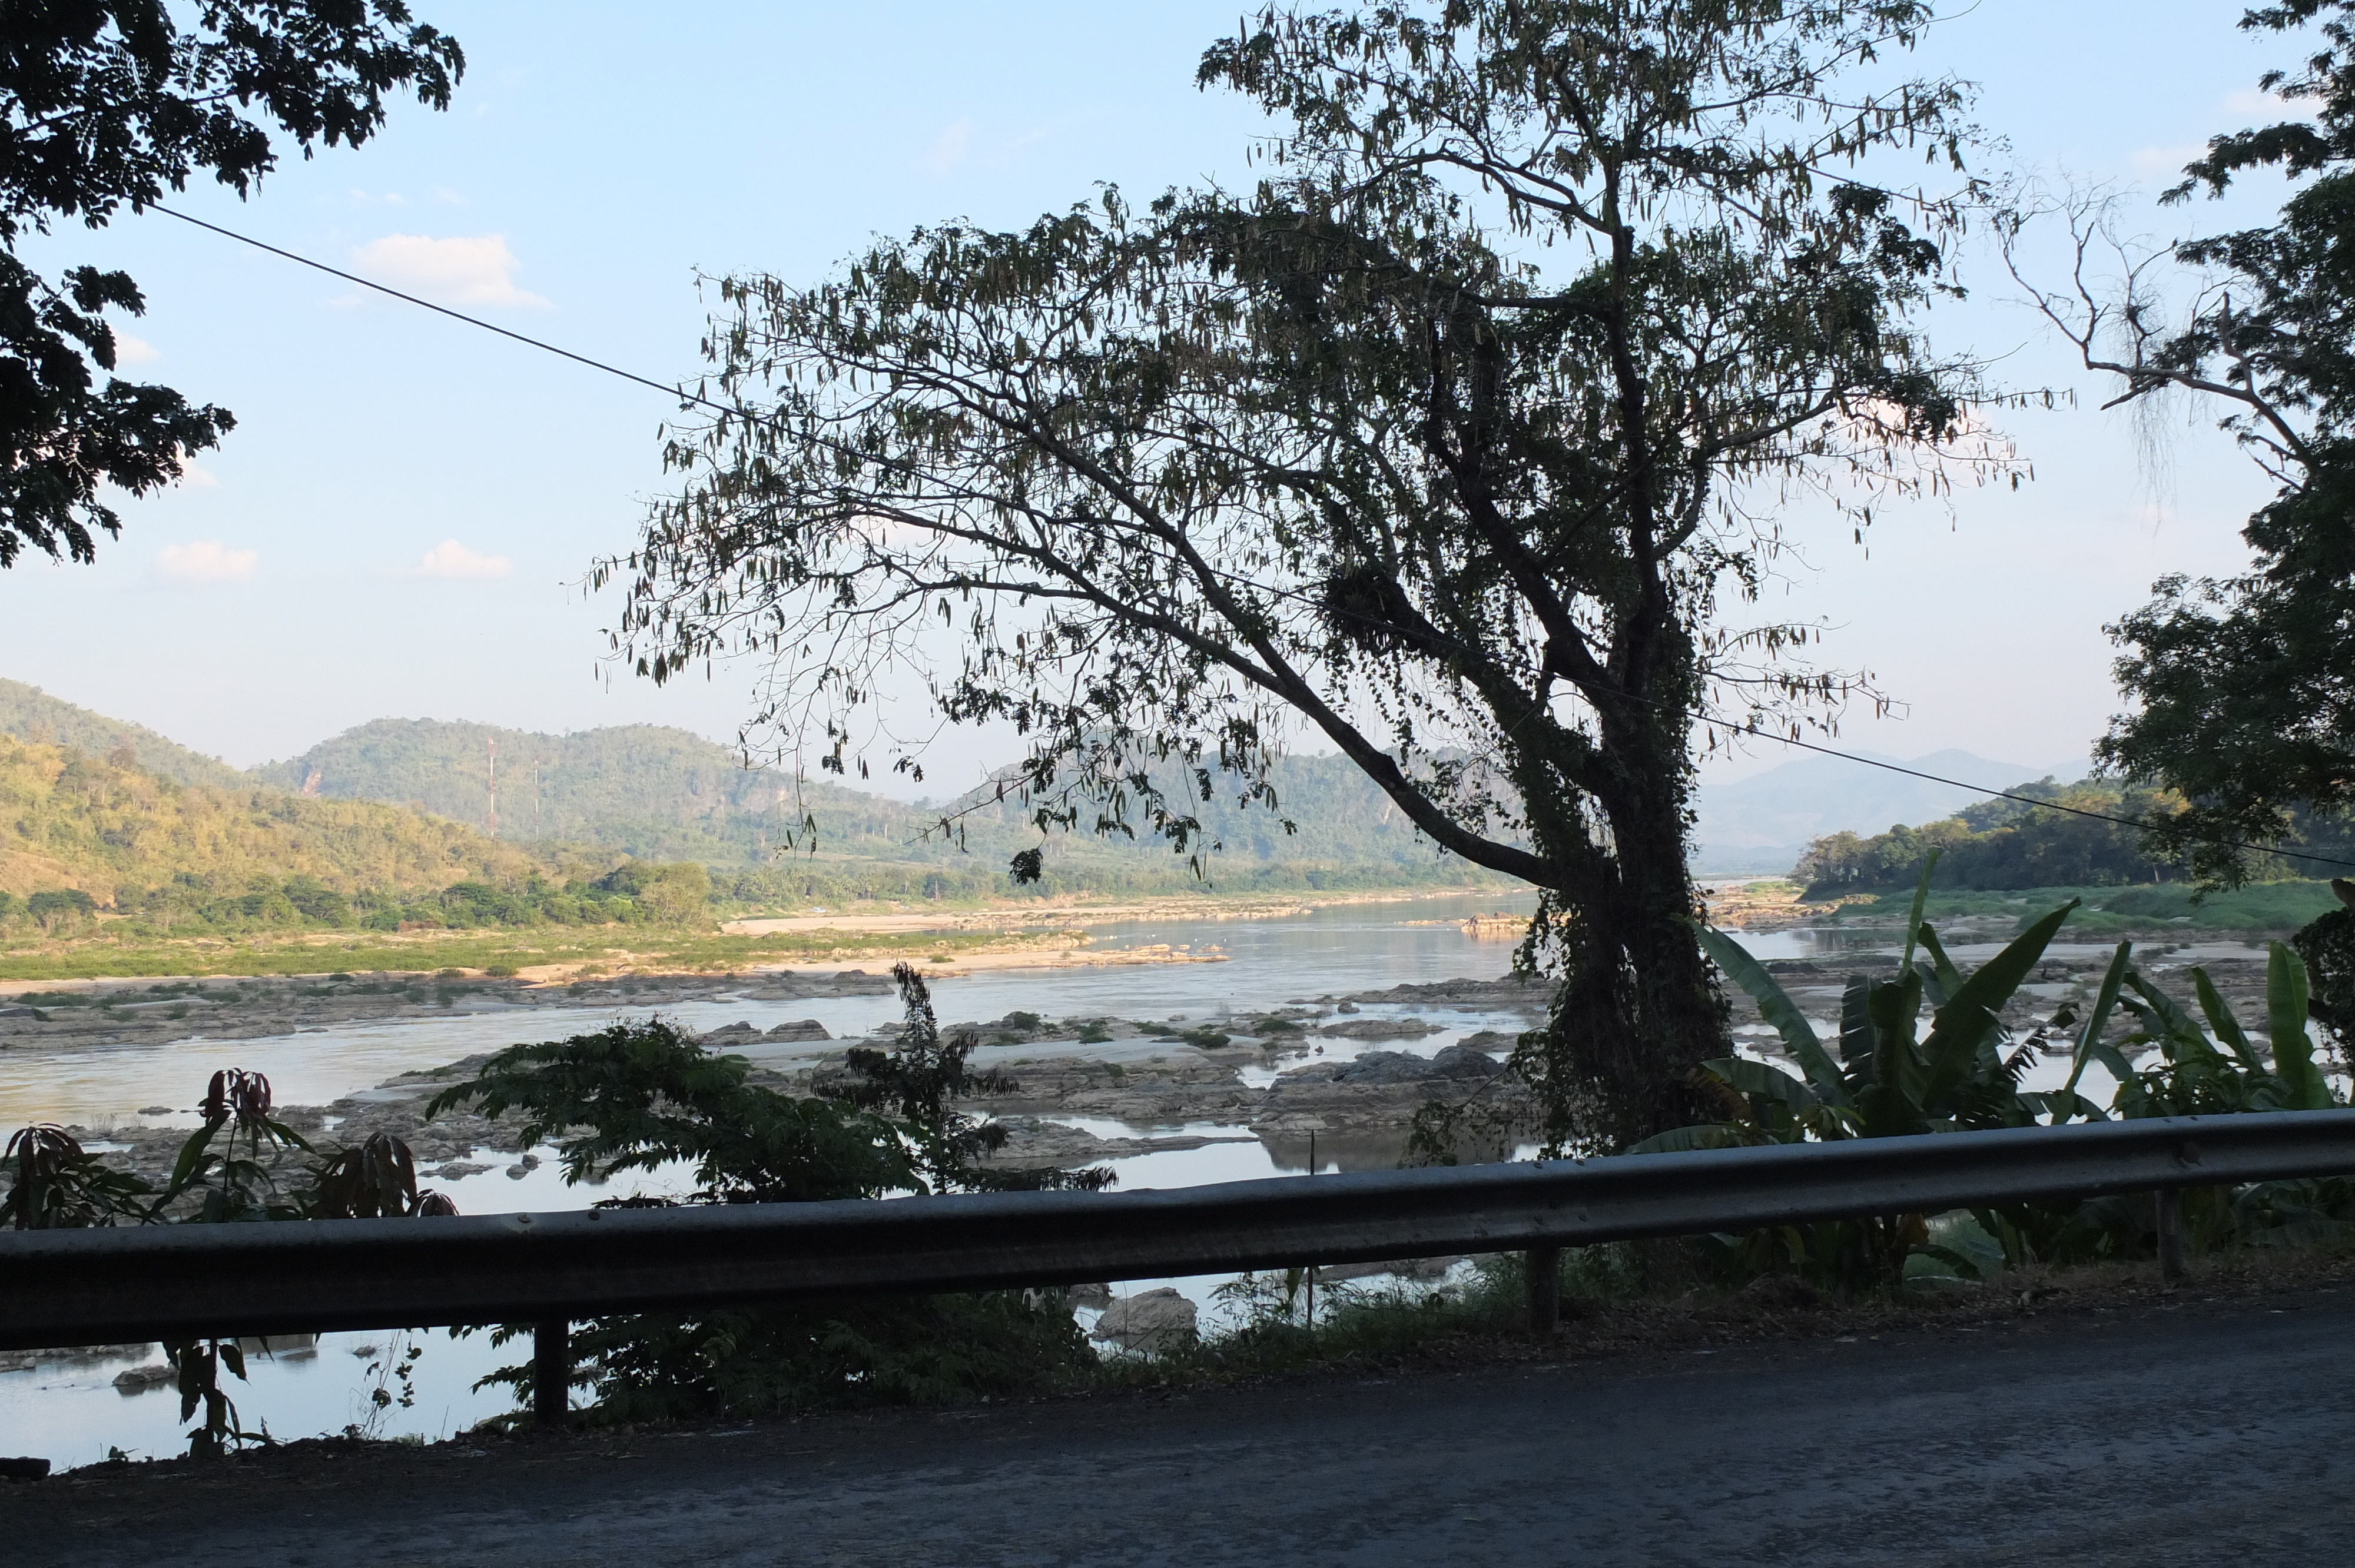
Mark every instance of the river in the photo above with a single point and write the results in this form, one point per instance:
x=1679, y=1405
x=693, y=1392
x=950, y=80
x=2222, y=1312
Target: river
x=71, y=1411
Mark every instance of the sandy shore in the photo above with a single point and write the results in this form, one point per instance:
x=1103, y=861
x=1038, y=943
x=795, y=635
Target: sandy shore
x=1074, y=958
x=1033, y=917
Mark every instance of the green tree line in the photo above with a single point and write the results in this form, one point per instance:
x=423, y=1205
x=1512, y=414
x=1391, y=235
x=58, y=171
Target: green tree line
x=2007, y=845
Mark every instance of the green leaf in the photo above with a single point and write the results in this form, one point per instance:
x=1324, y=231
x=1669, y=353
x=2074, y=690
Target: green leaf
x=1856, y=1030
x=1949, y=979
x=1762, y=1079
x=2169, y=1026
x=1920, y=902
x=2106, y=1002
x=1976, y=1006
x=191, y=1161
x=1692, y=1140
x=2286, y=1008
x=2227, y=1027
x=1776, y=1006
x=1894, y=1006
x=1964, y=1266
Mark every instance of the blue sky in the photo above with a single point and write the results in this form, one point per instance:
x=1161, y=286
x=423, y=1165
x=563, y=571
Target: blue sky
x=400, y=524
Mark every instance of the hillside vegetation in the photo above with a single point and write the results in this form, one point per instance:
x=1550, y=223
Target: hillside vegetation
x=27, y=713
x=2002, y=844
x=1992, y=853
x=132, y=841
x=87, y=841
x=664, y=794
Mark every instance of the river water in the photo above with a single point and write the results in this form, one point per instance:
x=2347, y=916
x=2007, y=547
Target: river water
x=71, y=1411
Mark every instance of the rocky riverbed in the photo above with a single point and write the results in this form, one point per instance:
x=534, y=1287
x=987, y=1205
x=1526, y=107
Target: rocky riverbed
x=1160, y=1085
x=130, y=1012
x=1349, y=1071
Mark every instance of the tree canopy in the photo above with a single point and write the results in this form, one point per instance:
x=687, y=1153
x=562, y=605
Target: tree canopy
x=109, y=103
x=2245, y=686
x=1153, y=486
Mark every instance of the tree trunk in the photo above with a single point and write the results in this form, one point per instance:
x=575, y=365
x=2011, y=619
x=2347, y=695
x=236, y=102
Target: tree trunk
x=1637, y=1009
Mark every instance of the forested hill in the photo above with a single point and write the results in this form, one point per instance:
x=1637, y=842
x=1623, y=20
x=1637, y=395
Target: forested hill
x=2008, y=844
x=655, y=792
x=665, y=794
x=29, y=714
x=124, y=836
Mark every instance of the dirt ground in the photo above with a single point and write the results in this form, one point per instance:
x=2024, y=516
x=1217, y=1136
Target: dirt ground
x=2099, y=1420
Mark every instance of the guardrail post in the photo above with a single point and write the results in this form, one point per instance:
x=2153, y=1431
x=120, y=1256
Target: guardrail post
x=1543, y=1266
x=2170, y=1234
x=552, y=1372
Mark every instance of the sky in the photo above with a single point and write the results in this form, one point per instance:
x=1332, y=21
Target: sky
x=401, y=523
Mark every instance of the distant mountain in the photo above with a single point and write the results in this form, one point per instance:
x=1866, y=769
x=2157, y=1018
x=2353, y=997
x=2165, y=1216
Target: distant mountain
x=112, y=830
x=655, y=793
x=662, y=794
x=1763, y=822
x=31, y=714
x=665, y=794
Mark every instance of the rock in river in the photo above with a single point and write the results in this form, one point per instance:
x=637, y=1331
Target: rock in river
x=1156, y=1319
x=1452, y=1063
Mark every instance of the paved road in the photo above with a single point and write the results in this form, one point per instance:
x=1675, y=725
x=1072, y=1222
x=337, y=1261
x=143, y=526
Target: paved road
x=2198, y=1435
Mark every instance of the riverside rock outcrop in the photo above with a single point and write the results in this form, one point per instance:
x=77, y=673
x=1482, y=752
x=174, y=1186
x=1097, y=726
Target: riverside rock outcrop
x=1156, y=1319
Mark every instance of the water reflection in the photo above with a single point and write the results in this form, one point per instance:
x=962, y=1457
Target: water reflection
x=1313, y=953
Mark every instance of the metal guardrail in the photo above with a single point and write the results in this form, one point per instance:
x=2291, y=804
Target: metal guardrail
x=184, y=1281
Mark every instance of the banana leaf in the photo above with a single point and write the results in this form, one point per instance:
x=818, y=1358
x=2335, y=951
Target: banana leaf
x=2169, y=1026
x=1856, y=1030
x=2227, y=1027
x=1944, y=979
x=1763, y=1080
x=2063, y=1105
x=1958, y=1028
x=2090, y=1046
x=1777, y=1008
x=1913, y=916
x=2285, y=1007
x=1893, y=1007
x=1689, y=1139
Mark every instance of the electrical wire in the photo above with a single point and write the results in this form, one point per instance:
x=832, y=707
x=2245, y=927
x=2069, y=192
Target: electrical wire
x=696, y=398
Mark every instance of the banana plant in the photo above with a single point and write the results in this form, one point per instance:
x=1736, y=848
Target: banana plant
x=1891, y=1078
x=2206, y=1063
x=2204, y=1074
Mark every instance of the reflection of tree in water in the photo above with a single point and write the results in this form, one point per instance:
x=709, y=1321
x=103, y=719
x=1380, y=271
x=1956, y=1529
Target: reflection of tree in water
x=1375, y=1149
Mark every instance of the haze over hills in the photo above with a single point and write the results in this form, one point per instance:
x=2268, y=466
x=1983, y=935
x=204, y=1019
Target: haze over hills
x=1764, y=822
x=657, y=793
x=665, y=794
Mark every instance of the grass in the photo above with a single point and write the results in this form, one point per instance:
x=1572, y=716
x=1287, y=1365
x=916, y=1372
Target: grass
x=2274, y=907
x=615, y=949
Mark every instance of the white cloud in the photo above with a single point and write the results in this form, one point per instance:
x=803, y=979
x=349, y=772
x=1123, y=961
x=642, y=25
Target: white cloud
x=2165, y=159
x=452, y=561
x=949, y=149
x=476, y=270
x=206, y=561
x=195, y=476
x=129, y=350
x=2253, y=103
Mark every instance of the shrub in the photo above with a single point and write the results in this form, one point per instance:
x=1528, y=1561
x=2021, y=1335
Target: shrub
x=639, y=1095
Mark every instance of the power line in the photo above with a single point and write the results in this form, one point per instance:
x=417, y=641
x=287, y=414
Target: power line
x=2010, y=795
x=686, y=397
x=680, y=393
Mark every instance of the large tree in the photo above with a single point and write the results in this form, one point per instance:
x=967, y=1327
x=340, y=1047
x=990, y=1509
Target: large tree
x=1159, y=488
x=109, y=103
x=2245, y=686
